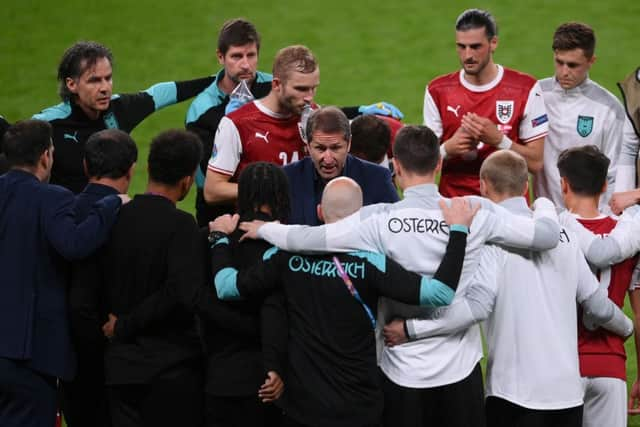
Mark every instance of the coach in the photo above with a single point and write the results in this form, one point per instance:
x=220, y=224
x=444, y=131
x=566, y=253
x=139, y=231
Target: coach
x=38, y=232
x=329, y=136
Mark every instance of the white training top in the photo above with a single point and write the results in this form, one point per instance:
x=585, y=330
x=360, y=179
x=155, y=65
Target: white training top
x=529, y=302
x=414, y=234
x=587, y=114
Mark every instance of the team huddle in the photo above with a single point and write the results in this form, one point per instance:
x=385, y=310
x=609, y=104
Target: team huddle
x=341, y=262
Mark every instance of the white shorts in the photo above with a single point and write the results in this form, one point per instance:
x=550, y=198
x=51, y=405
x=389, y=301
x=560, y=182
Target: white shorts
x=605, y=402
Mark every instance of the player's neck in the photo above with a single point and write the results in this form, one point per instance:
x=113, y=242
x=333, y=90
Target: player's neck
x=121, y=185
x=486, y=76
x=272, y=103
x=226, y=85
x=173, y=193
x=584, y=207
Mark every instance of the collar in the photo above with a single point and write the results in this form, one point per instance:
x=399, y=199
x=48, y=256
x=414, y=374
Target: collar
x=422, y=190
x=516, y=205
x=317, y=177
x=21, y=174
x=486, y=87
x=578, y=90
x=99, y=189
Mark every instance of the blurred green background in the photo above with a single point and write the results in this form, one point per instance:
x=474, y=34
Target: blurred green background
x=368, y=51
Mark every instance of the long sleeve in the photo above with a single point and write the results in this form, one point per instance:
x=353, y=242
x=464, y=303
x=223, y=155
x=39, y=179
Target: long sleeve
x=75, y=241
x=402, y=285
x=622, y=243
x=231, y=284
x=517, y=231
x=472, y=307
x=274, y=332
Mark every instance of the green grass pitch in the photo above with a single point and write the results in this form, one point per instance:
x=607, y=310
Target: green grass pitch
x=368, y=51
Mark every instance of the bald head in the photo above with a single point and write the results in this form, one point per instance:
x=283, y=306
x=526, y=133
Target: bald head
x=341, y=197
x=506, y=172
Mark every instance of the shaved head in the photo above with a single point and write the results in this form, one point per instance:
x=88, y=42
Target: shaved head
x=341, y=197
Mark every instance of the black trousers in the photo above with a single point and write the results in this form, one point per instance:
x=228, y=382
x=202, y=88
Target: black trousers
x=289, y=422
x=84, y=400
x=459, y=404
x=502, y=413
x=240, y=411
x=174, y=398
x=27, y=398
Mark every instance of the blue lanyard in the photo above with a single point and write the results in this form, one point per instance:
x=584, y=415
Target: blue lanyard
x=354, y=292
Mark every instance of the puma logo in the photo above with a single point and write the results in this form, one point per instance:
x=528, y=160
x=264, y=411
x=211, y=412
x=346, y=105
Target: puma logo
x=453, y=110
x=263, y=136
x=73, y=137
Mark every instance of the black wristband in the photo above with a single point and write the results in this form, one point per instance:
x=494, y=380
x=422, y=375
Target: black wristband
x=406, y=330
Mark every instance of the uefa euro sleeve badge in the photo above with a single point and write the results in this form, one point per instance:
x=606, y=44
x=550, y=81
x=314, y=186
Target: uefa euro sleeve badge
x=584, y=126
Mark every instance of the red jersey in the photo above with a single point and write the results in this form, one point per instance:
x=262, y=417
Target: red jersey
x=253, y=133
x=601, y=352
x=513, y=101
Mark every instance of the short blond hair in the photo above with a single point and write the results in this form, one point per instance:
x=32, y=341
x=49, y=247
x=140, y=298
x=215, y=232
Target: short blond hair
x=506, y=171
x=293, y=58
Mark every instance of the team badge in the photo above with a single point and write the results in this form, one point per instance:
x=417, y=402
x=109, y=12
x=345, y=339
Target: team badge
x=504, y=111
x=584, y=126
x=110, y=121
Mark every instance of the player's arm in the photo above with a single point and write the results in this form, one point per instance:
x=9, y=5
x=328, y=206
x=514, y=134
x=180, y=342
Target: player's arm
x=598, y=309
x=399, y=284
x=140, y=105
x=218, y=189
x=358, y=231
x=274, y=337
x=473, y=306
x=460, y=143
x=622, y=243
x=532, y=151
x=225, y=157
x=381, y=108
x=532, y=130
x=233, y=284
x=505, y=228
x=634, y=300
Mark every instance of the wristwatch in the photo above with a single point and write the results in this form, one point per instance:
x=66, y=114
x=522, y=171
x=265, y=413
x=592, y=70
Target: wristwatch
x=215, y=235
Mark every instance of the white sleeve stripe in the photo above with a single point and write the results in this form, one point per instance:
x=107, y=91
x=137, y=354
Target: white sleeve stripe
x=542, y=135
x=222, y=171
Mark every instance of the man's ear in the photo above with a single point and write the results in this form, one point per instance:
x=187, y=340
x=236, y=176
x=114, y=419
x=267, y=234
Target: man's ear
x=71, y=85
x=319, y=212
x=131, y=171
x=564, y=185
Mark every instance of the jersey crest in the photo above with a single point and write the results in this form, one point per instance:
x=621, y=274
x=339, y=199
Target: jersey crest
x=584, y=126
x=110, y=121
x=504, y=111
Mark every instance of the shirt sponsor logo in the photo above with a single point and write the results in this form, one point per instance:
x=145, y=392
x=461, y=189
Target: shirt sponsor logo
x=584, y=126
x=322, y=268
x=418, y=225
x=504, y=111
x=539, y=120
